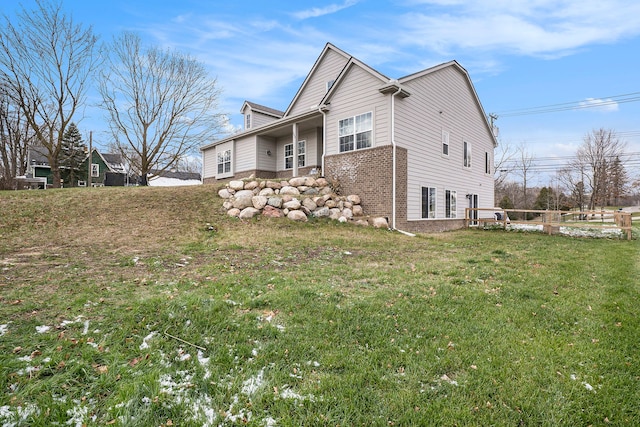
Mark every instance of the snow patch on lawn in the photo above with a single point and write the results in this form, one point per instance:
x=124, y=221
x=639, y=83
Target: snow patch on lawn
x=3, y=329
x=253, y=384
x=17, y=416
x=42, y=329
x=145, y=341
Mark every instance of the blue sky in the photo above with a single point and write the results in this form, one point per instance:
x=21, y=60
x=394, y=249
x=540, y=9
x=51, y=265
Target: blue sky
x=519, y=54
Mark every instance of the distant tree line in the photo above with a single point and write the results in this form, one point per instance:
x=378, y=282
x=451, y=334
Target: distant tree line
x=595, y=178
x=160, y=104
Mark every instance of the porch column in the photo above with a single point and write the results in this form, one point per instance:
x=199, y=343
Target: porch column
x=295, y=149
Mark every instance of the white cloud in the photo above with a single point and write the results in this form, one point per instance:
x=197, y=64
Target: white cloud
x=604, y=105
x=321, y=11
x=546, y=28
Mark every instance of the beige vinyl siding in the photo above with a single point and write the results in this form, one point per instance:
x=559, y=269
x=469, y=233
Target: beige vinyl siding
x=313, y=147
x=209, y=163
x=316, y=86
x=245, y=154
x=266, y=162
x=443, y=101
x=259, y=119
x=358, y=94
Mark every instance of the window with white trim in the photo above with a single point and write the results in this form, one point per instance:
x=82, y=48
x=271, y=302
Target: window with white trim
x=445, y=143
x=450, y=204
x=466, y=153
x=329, y=84
x=247, y=124
x=355, y=132
x=95, y=170
x=288, y=155
x=302, y=155
x=224, y=162
x=428, y=202
x=487, y=163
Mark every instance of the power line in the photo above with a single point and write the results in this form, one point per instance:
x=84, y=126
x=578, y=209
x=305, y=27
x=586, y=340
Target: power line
x=573, y=105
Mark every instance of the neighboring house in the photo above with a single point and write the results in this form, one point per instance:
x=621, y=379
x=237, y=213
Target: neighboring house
x=172, y=178
x=417, y=150
x=105, y=169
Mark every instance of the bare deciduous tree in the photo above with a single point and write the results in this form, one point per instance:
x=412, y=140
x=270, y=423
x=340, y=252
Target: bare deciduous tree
x=46, y=61
x=600, y=148
x=504, y=154
x=15, y=139
x=523, y=168
x=161, y=104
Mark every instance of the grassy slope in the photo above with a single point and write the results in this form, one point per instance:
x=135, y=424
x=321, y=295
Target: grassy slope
x=317, y=323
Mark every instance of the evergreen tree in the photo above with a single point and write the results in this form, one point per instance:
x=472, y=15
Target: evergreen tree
x=545, y=199
x=72, y=154
x=619, y=180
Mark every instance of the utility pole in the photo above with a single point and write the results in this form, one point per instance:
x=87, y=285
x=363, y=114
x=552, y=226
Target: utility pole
x=90, y=160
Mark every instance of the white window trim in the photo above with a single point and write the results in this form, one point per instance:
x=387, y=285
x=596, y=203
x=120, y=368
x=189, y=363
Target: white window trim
x=466, y=155
x=354, y=134
x=329, y=85
x=431, y=213
x=487, y=163
x=301, y=153
x=453, y=207
x=247, y=121
x=445, y=143
x=224, y=162
x=95, y=170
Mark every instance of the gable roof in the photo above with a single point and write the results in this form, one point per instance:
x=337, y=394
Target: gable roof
x=262, y=109
x=388, y=86
x=326, y=49
x=464, y=72
x=349, y=65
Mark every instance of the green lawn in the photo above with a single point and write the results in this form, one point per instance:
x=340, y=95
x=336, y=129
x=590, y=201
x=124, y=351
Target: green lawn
x=150, y=307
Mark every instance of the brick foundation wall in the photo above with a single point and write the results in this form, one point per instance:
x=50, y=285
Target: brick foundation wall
x=366, y=173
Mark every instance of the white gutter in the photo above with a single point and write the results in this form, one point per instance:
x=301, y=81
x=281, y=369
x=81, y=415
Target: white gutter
x=394, y=145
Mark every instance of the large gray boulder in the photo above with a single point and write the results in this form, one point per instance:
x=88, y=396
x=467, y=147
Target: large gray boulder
x=259, y=202
x=236, y=185
x=292, y=205
x=292, y=191
x=244, y=193
x=248, y=213
x=297, y=216
x=243, y=202
x=380, y=222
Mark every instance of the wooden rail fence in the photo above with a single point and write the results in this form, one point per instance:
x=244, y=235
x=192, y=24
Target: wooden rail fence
x=550, y=221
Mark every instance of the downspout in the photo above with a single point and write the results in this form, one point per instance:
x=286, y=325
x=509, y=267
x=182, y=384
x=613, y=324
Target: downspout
x=393, y=178
x=324, y=139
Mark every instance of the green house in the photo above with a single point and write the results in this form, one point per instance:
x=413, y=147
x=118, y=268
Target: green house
x=96, y=170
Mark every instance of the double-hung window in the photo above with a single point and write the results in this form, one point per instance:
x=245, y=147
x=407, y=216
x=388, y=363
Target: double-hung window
x=247, y=124
x=450, y=204
x=428, y=202
x=224, y=162
x=302, y=155
x=288, y=156
x=445, y=143
x=95, y=170
x=487, y=163
x=466, y=152
x=355, y=133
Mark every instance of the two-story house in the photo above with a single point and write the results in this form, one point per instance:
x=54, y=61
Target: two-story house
x=417, y=150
